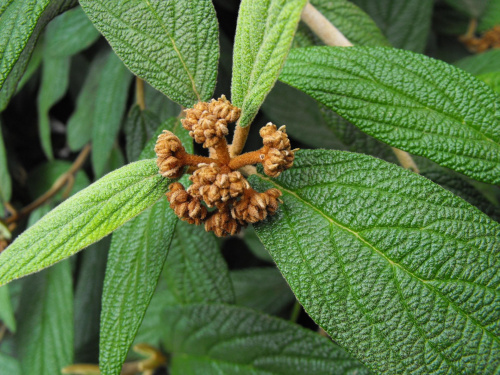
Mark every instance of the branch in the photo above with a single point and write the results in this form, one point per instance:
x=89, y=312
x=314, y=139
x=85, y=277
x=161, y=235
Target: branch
x=332, y=36
x=239, y=140
x=139, y=93
x=54, y=189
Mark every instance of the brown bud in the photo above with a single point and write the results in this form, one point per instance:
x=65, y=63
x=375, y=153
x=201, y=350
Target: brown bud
x=209, y=130
x=276, y=161
x=255, y=206
x=193, y=115
x=168, y=148
x=223, y=109
x=222, y=223
x=185, y=206
x=275, y=138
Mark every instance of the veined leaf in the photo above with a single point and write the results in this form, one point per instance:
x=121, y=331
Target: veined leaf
x=490, y=17
x=32, y=66
x=263, y=38
x=173, y=44
x=10, y=364
x=137, y=254
x=139, y=128
x=83, y=219
x=159, y=104
x=482, y=63
x=110, y=102
x=55, y=79
x=222, y=339
x=81, y=122
x=21, y=23
x=5, y=182
x=252, y=241
x=70, y=33
x=88, y=294
x=6, y=311
x=399, y=271
x=406, y=23
x=491, y=79
x=407, y=101
x=352, y=21
x=261, y=289
x=45, y=335
x=195, y=270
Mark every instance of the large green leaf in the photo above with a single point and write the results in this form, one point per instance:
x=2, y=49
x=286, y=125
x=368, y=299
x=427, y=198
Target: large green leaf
x=138, y=251
x=222, y=339
x=70, y=33
x=352, y=21
x=55, y=79
x=45, y=336
x=195, y=270
x=10, y=364
x=409, y=101
x=159, y=104
x=110, y=101
x=263, y=38
x=80, y=123
x=399, y=271
x=491, y=16
x=406, y=23
x=6, y=311
x=492, y=80
x=88, y=293
x=83, y=219
x=172, y=44
x=21, y=23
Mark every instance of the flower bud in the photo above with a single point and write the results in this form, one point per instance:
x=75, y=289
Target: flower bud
x=222, y=223
x=167, y=148
x=223, y=109
x=275, y=138
x=185, y=206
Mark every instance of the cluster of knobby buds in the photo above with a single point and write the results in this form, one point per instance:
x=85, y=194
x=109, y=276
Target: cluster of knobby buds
x=220, y=196
x=490, y=39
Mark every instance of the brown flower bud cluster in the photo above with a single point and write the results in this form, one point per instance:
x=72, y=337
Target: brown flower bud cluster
x=489, y=40
x=220, y=196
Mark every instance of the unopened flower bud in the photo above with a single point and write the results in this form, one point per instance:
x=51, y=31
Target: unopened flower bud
x=185, y=206
x=255, y=207
x=223, y=109
x=275, y=138
x=168, y=147
x=222, y=223
x=193, y=115
x=276, y=161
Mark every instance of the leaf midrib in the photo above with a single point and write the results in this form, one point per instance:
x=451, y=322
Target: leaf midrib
x=179, y=55
x=389, y=261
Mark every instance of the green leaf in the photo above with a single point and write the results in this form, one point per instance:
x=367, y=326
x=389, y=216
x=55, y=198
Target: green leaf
x=45, y=336
x=70, y=33
x=83, y=219
x=88, y=293
x=406, y=23
x=80, y=123
x=5, y=182
x=136, y=257
x=173, y=45
x=492, y=80
x=139, y=128
x=32, y=67
x=159, y=104
x=252, y=241
x=6, y=311
x=21, y=23
x=409, y=101
x=222, y=339
x=399, y=271
x=9, y=364
x=481, y=63
x=490, y=17
x=261, y=289
x=110, y=102
x=55, y=79
x=352, y=21
x=195, y=270
x=263, y=38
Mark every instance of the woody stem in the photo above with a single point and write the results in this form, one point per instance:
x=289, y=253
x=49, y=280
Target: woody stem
x=194, y=160
x=248, y=158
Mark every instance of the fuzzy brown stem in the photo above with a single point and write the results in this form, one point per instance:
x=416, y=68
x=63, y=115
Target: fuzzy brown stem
x=248, y=158
x=58, y=185
x=239, y=140
x=222, y=152
x=194, y=160
x=139, y=93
